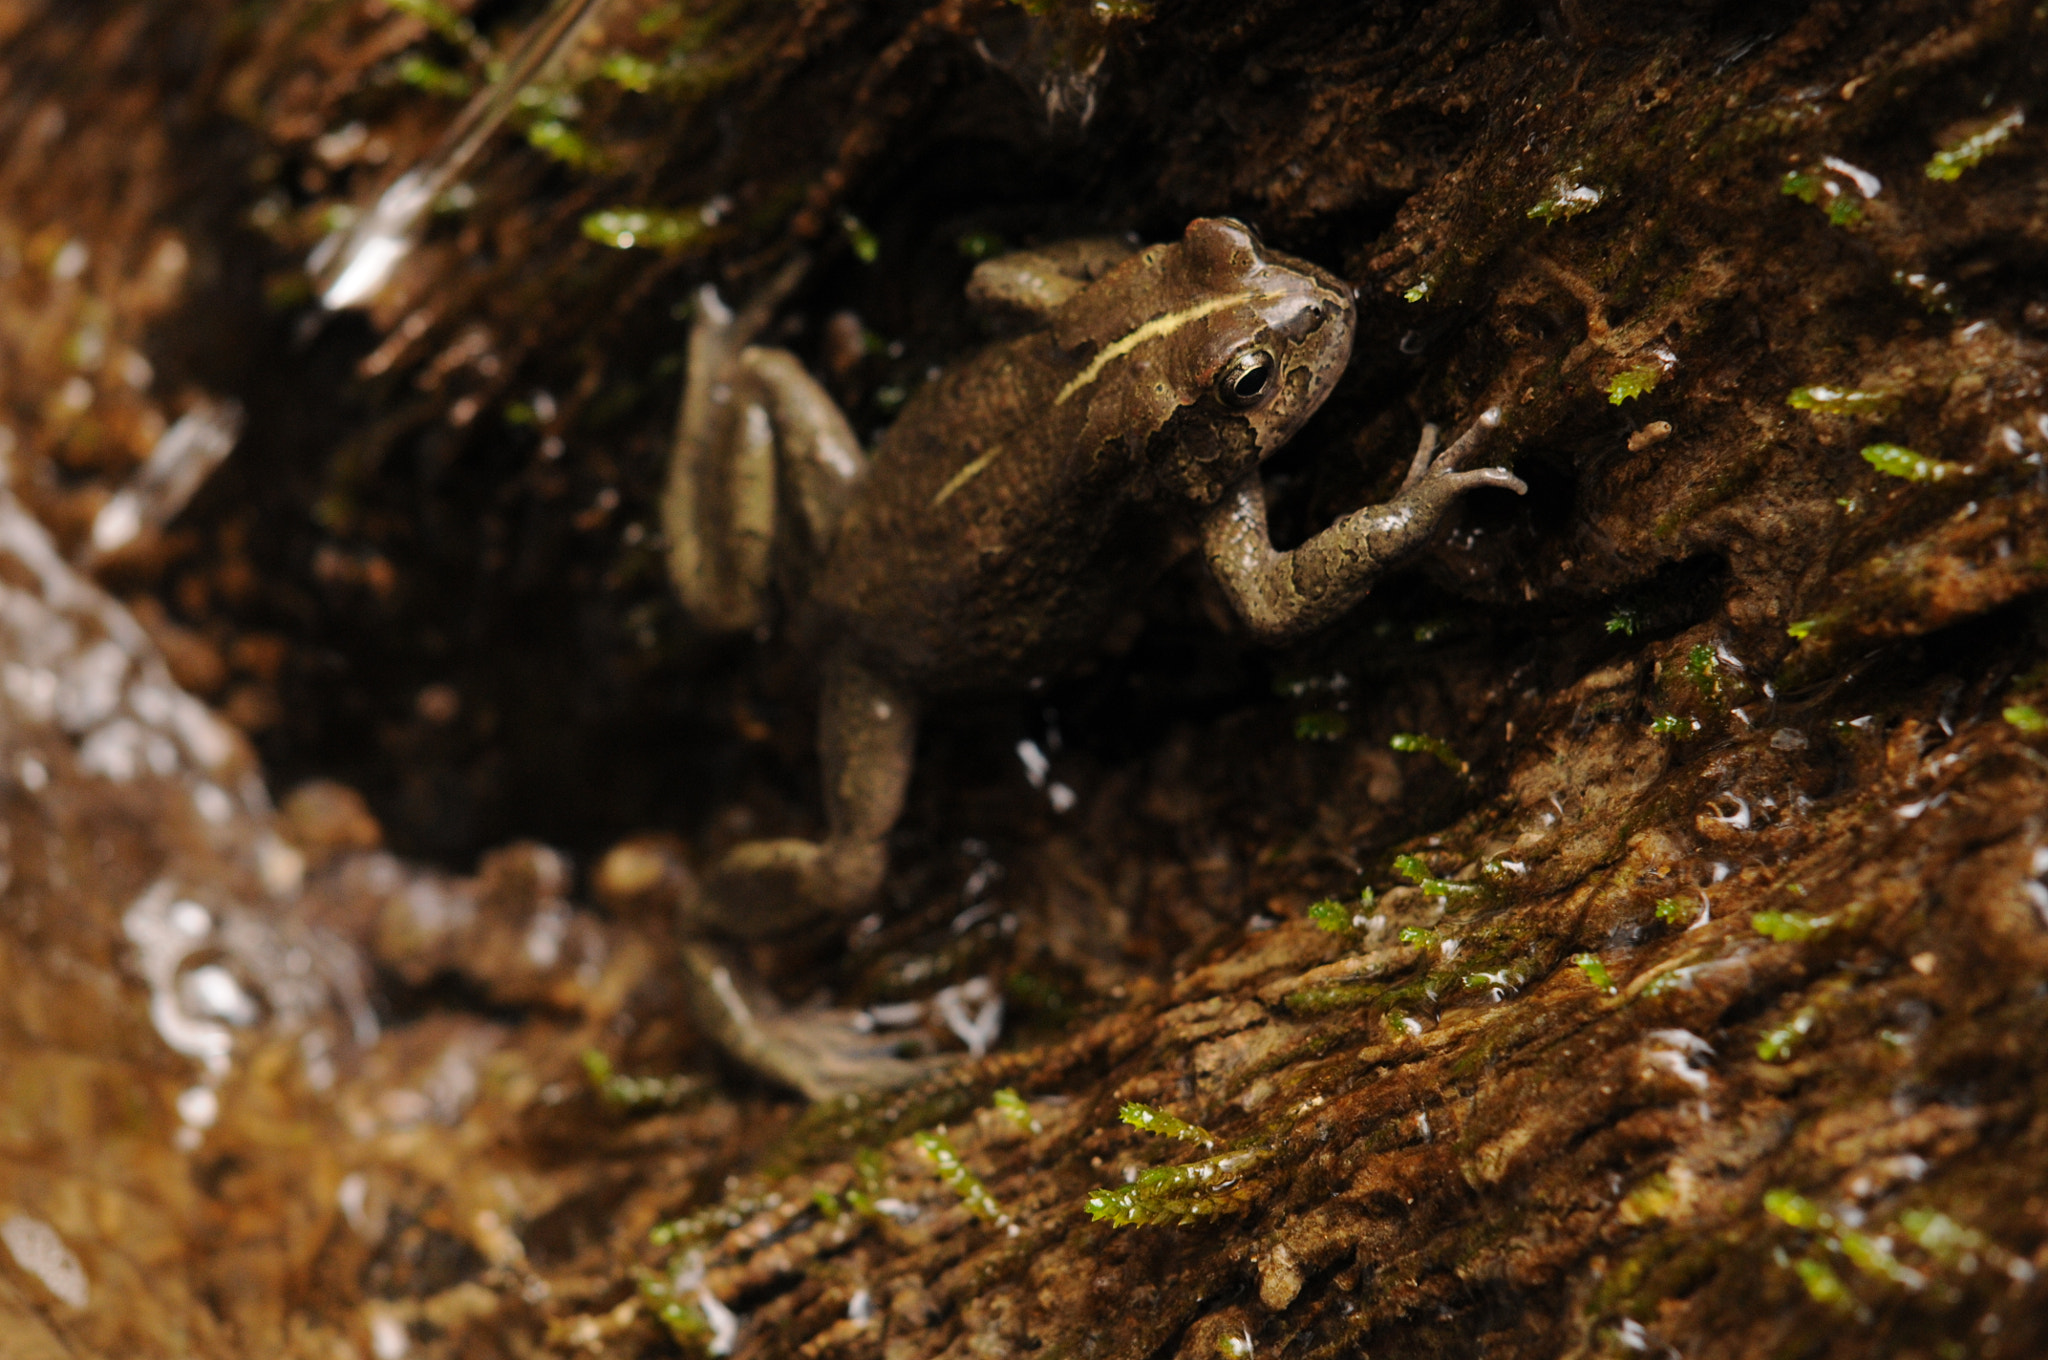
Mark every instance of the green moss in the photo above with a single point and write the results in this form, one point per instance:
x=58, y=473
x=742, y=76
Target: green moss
x=1012, y=1107
x=1673, y=725
x=1649, y=1201
x=716, y=1218
x=1334, y=917
x=1164, y=1125
x=867, y=247
x=1932, y=293
x=980, y=245
x=1415, y=871
x=1438, y=629
x=626, y=228
x=870, y=1183
x=830, y=1130
x=1501, y=871
x=2027, y=719
x=1497, y=983
x=1180, y=1194
x=636, y=1093
x=1624, y=621
x=1567, y=198
x=1779, y=1043
x=1420, y=743
x=444, y=21
x=629, y=72
x=1331, y=997
x=1803, y=629
x=1419, y=291
x=1825, y=192
x=1942, y=1237
x=554, y=138
x=1896, y=460
x=1841, y=401
x=1703, y=669
x=1950, y=161
x=1633, y=382
x=1873, y=1256
x=1791, y=927
x=1823, y=1286
x=1677, y=911
x=1595, y=971
x=1793, y=1208
x=953, y=1173
x=434, y=78
x=684, y=1318
x=1323, y=724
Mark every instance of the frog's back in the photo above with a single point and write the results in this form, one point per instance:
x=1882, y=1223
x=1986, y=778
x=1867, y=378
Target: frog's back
x=990, y=540
x=1026, y=495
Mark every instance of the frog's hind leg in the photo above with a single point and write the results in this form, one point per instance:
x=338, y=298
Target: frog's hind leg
x=760, y=449
x=822, y=1053
x=819, y=462
x=867, y=733
x=775, y=888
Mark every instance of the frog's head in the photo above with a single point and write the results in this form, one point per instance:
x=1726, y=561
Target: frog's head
x=1205, y=356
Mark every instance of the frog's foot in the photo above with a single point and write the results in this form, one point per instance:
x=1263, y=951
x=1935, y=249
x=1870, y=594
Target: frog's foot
x=823, y=1053
x=1437, y=478
x=765, y=889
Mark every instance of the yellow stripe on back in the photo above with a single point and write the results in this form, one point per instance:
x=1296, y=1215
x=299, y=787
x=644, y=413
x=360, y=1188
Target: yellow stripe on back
x=1151, y=330
x=964, y=476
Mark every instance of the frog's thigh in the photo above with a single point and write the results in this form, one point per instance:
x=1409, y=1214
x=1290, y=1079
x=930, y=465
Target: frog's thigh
x=718, y=507
x=752, y=501
x=818, y=458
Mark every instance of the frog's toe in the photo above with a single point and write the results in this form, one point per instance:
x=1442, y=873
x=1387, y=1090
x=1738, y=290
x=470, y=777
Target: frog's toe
x=1468, y=445
x=829, y=1054
x=824, y=1053
x=1459, y=482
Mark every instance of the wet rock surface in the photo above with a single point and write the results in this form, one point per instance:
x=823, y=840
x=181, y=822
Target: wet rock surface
x=1625, y=935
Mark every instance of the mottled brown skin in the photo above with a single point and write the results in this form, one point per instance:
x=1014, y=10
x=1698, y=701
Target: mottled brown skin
x=1081, y=501
x=1016, y=506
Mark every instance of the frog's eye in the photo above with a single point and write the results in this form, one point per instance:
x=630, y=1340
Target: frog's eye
x=1246, y=380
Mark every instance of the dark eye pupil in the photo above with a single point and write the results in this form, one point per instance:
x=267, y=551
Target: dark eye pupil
x=1244, y=382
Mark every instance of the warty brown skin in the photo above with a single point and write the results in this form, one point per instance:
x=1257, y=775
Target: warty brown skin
x=1068, y=507
x=1020, y=501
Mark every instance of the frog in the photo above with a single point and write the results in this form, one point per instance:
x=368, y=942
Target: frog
x=1018, y=503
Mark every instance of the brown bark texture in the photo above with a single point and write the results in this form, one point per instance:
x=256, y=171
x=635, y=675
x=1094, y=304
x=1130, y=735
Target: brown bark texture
x=1625, y=934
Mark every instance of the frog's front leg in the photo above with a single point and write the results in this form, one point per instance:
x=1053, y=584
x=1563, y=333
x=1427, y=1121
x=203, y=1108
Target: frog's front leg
x=1282, y=595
